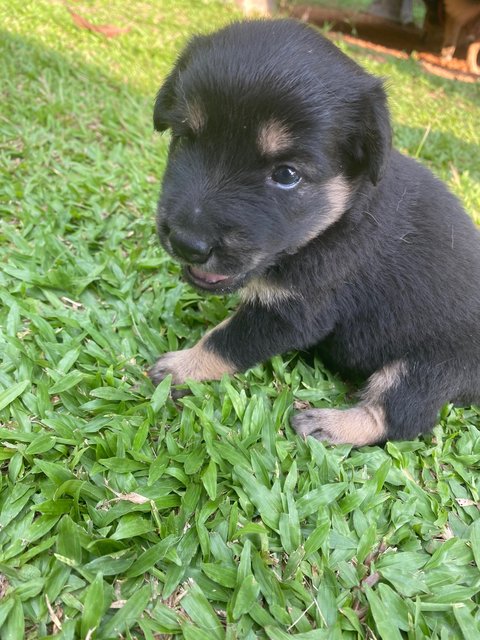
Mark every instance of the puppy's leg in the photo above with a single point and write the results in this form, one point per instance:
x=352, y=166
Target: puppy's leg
x=450, y=37
x=254, y=334
x=400, y=401
x=197, y=363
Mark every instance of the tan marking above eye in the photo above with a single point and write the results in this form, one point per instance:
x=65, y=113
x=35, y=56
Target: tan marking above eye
x=273, y=137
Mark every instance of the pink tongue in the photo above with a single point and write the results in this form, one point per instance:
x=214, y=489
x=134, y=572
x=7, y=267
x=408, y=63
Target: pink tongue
x=211, y=278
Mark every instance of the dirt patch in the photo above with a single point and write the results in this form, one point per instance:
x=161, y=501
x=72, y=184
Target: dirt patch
x=387, y=37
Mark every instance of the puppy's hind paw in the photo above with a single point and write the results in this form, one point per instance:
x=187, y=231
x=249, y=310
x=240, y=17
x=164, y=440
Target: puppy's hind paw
x=361, y=425
x=312, y=422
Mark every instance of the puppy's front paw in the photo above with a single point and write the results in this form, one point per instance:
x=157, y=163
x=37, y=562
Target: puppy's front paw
x=197, y=363
x=361, y=425
x=165, y=366
x=179, y=364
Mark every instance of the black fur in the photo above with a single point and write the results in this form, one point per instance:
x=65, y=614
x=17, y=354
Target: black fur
x=394, y=278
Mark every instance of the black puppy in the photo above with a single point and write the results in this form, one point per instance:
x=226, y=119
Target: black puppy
x=281, y=183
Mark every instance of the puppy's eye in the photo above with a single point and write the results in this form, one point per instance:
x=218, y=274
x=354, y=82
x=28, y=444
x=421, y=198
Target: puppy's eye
x=285, y=177
x=181, y=137
x=176, y=138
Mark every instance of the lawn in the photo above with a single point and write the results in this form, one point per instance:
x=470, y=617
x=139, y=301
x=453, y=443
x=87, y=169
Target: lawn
x=126, y=515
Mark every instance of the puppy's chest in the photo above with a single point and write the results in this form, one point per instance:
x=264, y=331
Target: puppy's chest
x=270, y=293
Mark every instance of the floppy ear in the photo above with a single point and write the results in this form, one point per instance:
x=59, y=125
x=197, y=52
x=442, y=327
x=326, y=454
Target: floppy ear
x=167, y=94
x=165, y=101
x=369, y=139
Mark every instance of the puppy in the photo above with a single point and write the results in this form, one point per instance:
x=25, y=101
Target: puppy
x=281, y=183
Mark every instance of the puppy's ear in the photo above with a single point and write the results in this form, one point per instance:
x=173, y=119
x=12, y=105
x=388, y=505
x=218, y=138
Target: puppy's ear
x=164, y=102
x=167, y=95
x=368, y=140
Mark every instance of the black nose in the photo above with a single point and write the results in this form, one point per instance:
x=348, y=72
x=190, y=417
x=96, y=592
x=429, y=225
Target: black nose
x=194, y=250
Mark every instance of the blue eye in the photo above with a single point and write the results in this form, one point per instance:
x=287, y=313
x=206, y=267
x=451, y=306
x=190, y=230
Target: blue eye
x=285, y=177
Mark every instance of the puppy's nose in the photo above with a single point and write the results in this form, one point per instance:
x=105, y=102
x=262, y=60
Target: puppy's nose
x=193, y=250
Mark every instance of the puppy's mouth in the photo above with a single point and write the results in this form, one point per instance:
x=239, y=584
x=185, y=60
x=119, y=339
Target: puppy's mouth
x=211, y=281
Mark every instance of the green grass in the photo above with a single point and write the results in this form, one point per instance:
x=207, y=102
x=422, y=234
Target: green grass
x=127, y=514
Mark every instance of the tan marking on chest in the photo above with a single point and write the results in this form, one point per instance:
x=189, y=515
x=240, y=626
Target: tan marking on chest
x=385, y=379
x=267, y=294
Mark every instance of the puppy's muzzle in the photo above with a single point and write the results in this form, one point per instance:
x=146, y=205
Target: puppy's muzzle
x=193, y=250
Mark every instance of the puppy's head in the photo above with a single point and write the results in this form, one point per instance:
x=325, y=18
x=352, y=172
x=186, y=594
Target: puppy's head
x=273, y=130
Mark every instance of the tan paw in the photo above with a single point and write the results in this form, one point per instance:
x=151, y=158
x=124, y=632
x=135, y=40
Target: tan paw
x=361, y=425
x=197, y=363
x=170, y=363
x=447, y=52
